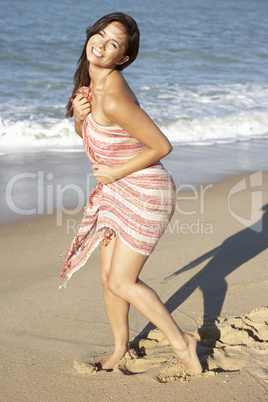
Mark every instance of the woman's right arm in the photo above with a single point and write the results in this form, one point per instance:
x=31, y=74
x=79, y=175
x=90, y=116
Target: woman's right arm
x=82, y=108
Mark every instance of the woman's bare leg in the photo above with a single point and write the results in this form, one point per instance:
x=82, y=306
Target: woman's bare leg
x=116, y=308
x=126, y=265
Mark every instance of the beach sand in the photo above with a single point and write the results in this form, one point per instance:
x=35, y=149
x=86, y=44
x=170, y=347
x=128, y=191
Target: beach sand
x=210, y=269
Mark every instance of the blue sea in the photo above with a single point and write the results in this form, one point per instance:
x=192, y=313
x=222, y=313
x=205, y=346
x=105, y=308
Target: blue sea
x=201, y=73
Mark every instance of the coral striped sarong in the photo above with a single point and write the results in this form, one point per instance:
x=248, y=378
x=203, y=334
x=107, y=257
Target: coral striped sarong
x=136, y=208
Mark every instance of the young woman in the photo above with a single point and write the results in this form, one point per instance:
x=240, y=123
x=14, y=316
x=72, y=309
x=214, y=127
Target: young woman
x=134, y=199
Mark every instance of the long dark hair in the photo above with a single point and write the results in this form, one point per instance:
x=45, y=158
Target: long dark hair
x=81, y=76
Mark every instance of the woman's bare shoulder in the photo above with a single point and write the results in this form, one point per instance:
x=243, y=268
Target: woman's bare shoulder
x=118, y=90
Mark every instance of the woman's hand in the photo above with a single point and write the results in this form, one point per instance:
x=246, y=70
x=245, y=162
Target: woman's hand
x=104, y=173
x=82, y=107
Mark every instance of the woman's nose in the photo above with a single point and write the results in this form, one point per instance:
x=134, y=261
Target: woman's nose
x=101, y=43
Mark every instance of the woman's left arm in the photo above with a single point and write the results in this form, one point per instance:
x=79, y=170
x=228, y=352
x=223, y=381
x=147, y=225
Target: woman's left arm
x=125, y=113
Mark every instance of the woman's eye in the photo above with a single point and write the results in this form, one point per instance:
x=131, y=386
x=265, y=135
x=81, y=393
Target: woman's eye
x=114, y=44
x=100, y=33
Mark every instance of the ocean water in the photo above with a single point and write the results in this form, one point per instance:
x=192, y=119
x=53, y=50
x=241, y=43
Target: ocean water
x=201, y=73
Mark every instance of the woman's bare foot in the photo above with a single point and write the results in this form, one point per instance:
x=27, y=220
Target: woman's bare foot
x=113, y=359
x=189, y=357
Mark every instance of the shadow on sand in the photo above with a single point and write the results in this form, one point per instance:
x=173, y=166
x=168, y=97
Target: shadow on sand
x=211, y=280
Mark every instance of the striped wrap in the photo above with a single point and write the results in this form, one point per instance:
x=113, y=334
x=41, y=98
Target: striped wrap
x=137, y=208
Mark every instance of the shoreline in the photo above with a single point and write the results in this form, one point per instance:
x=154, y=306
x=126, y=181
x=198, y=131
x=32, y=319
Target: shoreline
x=43, y=183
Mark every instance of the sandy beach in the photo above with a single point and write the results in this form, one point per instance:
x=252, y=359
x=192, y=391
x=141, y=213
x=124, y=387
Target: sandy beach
x=210, y=269
x=201, y=75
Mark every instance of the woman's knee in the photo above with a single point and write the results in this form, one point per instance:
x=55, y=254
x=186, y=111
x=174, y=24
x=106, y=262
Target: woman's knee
x=104, y=277
x=117, y=286
x=114, y=285
x=111, y=282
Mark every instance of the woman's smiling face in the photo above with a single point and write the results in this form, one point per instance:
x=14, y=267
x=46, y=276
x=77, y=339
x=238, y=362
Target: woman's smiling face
x=107, y=48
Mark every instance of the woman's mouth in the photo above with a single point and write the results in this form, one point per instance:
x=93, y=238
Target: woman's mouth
x=96, y=53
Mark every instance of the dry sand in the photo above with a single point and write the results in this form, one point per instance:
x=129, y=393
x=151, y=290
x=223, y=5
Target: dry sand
x=210, y=269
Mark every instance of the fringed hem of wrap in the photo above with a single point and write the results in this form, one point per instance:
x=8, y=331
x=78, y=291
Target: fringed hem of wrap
x=84, y=244
x=102, y=236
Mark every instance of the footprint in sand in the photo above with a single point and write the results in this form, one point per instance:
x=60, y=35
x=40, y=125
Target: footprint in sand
x=85, y=368
x=232, y=344
x=225, y=344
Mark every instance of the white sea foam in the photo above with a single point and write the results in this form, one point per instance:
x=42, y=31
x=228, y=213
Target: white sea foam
x=209, y=130
x=30, y=136
x=204, y=114
x=22, y=136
